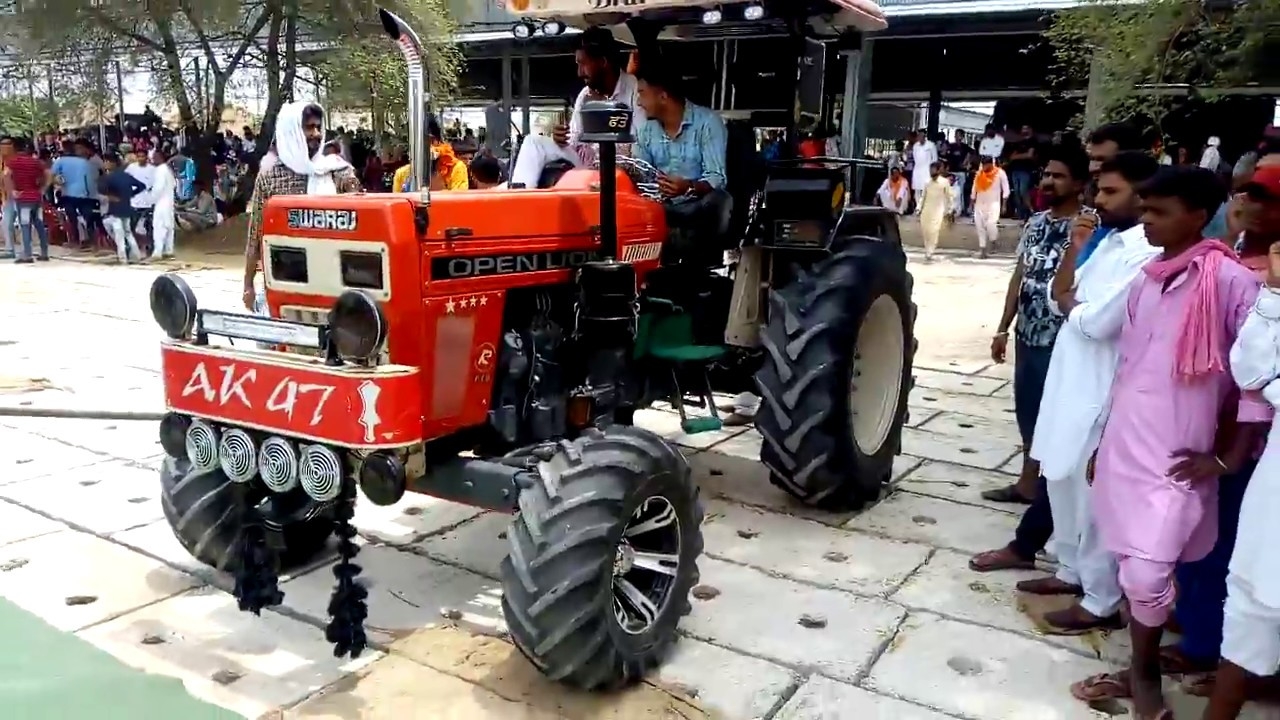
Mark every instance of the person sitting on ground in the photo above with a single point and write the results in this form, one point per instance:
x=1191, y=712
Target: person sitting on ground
x=486, y=173
x=201, y=213
x=687, y=143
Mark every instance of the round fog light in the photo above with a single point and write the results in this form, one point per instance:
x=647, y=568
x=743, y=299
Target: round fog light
x=712, y=17
x=202, y=445
x=357, y=327
x=320, y=472
x=173, y=305
x=382, y=479
x=752, y=12
x=237, y=455
x=552, y=28
x=278, y=464
x=523, y=30
x=173, y=435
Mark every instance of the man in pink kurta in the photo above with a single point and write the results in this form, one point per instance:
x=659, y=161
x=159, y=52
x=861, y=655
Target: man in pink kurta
x=1155, y=481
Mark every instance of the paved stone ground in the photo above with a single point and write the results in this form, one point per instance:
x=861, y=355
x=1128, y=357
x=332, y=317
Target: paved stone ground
x=910, y=633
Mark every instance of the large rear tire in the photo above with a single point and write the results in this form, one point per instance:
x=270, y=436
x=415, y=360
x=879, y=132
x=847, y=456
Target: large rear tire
x=836, y=376
x=602, y=558
x=202, y=511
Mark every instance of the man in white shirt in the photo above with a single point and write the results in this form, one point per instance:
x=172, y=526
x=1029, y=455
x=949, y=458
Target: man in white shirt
x=992, y=144
x=990, y=191
x=143, y=203
x=924, y=153
x=599, y=61
x=895, y=192
x=1091, y=289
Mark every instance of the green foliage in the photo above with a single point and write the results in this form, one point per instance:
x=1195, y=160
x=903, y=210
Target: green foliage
x=365, y=70
x=1143, y=54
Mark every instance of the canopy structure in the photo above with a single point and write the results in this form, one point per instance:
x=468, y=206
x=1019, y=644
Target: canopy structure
x=864, y=15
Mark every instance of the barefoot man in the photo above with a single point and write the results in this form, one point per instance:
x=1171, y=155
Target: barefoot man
x=1078, y=389
x=1154, y=493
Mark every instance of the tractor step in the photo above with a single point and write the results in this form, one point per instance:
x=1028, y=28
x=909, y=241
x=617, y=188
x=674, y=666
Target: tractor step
x=694, y=425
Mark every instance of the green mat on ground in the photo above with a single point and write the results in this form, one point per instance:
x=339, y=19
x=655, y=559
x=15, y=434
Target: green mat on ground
x=46, y=674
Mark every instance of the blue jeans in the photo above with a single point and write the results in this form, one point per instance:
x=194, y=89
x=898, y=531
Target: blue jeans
x=1020, y=192
x=962, y=197
x=1202, y=585
x=30, y=214
x=1030, y=368
x=9, y=227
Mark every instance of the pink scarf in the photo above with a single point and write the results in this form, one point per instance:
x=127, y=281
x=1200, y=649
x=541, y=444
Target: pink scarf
x=1200, y=349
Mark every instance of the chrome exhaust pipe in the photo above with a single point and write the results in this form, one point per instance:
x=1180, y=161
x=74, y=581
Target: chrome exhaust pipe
x=418, y=97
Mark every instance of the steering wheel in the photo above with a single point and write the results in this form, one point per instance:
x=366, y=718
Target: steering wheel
x=643, y=174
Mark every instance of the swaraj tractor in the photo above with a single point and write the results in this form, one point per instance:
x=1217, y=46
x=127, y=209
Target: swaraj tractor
x=492, y=347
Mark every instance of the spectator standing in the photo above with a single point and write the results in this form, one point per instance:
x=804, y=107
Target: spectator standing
x=76, y=178
x=958, y=156
x=26, y=180
x=119, y=187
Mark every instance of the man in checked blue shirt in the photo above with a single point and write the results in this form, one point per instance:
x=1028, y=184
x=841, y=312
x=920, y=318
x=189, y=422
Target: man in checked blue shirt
x=686, y=143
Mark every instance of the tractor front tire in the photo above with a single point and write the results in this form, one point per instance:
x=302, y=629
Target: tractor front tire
x=603, y=554
x=201, y=510
x=836, y=376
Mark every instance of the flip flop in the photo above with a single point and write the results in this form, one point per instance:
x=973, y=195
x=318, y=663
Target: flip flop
x=1102, y=687
x=1174, y=662
x=1007, y=494
x=993, y=560
x=1199, y=685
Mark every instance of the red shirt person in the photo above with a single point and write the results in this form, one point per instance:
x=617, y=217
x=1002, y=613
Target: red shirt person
x=26, y=179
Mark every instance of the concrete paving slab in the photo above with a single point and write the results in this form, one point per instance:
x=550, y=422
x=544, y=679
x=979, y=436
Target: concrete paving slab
x=411, y=519
x=973, y=672
x=1014, y=466
x=761, y=616
x=396, y=688
x=746, y=481
x=478, y=545
x=407, y=592
x=823, y=699
x=974, y=451
x=957, y=383
x=946, y=586
x=72, y=580
x=17, y=524
x=134, y=440
x=1004, y=393
x=917, y=417
x=102, y=498
x=959, y=484
x=26, y=456
x=668, y=426
x=805, y=551
x=745, y=445
x=999, y=371
x=157, y=540
x=930, y=399
x=722, y=681
x=966, y=427
x=497, y=667
x=246, y=663
x=951, y=365
x=939, y=523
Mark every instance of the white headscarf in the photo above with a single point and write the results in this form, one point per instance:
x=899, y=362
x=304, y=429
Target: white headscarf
x=291, y=148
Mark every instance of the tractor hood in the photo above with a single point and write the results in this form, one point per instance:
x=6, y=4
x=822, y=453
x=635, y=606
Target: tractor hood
x=864, y=15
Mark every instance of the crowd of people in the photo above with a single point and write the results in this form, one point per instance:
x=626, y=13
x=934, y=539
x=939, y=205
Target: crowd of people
x=1146, y=357
x=997, y=174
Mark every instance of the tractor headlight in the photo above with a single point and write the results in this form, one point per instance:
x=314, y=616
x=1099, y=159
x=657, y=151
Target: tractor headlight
x=357, y=327
x=173, y=305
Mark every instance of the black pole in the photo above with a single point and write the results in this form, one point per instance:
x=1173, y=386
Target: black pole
x=608, y=200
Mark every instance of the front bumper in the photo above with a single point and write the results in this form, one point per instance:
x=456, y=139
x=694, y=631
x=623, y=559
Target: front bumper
x=295, y=396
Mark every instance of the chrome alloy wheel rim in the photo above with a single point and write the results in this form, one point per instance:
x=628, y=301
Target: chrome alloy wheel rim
x=645, y=565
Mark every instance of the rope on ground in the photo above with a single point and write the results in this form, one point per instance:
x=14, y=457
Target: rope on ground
x=69, y=414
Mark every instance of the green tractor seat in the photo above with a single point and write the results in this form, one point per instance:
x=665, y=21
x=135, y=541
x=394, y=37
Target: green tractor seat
x=668, y=338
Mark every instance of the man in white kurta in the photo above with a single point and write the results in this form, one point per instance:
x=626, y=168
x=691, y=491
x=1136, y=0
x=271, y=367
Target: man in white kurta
x=163, y=196
x=937, y=204
x=990, y=191
x=1077, y=392
x=895, y=192
x=923, y=154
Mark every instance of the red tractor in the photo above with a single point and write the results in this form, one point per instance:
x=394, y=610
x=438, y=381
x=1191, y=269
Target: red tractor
x=490, y=348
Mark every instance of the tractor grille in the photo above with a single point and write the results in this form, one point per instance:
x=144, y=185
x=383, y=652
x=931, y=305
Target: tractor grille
x=318, y=316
